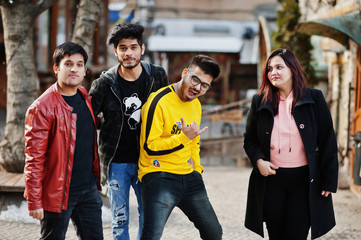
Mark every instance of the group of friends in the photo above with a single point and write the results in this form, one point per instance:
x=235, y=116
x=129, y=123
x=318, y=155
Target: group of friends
x=148, y=139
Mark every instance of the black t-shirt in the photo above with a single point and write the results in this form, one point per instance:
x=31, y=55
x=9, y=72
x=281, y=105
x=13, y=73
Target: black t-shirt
x=133, y=97
x=82, y=176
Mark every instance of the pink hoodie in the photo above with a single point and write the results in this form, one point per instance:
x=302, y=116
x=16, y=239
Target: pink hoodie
x=287, y=150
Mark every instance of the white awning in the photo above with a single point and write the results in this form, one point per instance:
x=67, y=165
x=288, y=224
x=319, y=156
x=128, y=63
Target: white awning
x=194, y=44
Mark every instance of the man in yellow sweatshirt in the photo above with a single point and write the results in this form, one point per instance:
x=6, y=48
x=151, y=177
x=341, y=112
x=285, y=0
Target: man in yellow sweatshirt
x=169, y=163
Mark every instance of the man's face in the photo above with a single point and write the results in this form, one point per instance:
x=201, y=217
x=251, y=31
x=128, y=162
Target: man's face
x=188, y=90
x=71, y=71
x=129, y=52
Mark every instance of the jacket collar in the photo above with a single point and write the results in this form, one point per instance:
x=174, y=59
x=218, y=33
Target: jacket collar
x=61, y=100
x=266, y=106
x=262, y=105
x=305, y=99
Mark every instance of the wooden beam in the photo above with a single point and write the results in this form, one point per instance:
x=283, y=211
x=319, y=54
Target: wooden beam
x=67, y=21
x=11, y=182
x=53, y=32
x=226, y=107
x=106, y=27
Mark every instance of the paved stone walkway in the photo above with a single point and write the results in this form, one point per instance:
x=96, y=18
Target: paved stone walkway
x=227, y=190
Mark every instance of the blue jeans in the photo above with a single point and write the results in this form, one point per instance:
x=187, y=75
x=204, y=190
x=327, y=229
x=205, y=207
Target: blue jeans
x=85, y=211
x=121, y=177
x=162, y=191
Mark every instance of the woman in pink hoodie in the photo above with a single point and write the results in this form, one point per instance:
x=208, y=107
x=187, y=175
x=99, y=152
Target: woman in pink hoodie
x=292, y=146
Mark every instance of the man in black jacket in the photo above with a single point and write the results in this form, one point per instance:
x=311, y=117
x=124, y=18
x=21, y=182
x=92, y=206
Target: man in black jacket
x=119, y=94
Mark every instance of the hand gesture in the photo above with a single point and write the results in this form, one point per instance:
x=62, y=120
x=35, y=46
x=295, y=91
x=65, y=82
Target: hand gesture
x=192, y=130
x=266, y=168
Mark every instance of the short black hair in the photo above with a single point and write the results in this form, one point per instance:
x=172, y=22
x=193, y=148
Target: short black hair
x=68, y=48
x=127, y=31
x=207, y=64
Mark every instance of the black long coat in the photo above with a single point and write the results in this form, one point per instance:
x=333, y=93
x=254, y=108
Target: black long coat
x=314, y=122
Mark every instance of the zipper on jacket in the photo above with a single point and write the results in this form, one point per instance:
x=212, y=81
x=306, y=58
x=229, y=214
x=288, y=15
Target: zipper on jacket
x=120, y=132
x=151, y=86
x=88, y=104
x=67, y=163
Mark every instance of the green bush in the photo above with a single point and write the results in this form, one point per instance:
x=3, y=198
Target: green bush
x=286, y=37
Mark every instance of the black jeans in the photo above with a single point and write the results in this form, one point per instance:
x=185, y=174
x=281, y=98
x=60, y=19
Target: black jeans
x=162, y=191
x=84, y=209
x=286, y=208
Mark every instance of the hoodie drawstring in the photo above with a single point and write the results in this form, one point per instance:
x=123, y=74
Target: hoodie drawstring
x=289, y=112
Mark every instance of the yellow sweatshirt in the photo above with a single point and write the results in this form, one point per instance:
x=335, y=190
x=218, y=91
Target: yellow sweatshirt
x=163, y=145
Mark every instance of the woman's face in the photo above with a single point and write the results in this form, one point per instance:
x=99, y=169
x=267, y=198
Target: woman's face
x=279, y=74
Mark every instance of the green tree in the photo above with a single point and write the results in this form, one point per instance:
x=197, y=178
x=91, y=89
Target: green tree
x=287, y=37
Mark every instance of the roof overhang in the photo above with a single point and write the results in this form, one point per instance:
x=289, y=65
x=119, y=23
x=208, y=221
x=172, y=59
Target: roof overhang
x=339, y=28
x=194, y=44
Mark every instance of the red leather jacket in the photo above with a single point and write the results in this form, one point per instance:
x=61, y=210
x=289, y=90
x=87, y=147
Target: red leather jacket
x=50, y=130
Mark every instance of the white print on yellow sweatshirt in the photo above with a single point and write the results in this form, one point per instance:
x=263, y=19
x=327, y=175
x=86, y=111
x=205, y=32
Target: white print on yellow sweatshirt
x=163, y=145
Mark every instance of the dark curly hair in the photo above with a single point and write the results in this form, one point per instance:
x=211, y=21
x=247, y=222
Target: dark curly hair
x=125, y=30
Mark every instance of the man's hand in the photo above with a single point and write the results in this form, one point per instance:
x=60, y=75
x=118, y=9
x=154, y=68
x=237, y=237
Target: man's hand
x=192, y=130
x=37, y=214
x=191, y=162
x=266, y=168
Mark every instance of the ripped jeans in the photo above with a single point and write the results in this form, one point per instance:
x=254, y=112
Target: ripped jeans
x=121, y=177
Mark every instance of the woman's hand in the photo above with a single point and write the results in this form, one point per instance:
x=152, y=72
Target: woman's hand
x=325, y=193
x=266, y=168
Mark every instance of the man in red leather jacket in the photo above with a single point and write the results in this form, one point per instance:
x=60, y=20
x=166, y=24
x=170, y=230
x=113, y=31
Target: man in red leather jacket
x=61, y=171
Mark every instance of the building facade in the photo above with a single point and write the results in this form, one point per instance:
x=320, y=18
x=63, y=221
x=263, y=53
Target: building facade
x=338, y=22
x=225, y=30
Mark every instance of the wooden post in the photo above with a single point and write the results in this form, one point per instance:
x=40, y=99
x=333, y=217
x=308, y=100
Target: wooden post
x=67, y=21
x=106, y=26
x=53, y=31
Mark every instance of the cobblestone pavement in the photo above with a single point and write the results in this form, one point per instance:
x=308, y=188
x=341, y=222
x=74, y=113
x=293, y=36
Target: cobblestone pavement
x=227, y=190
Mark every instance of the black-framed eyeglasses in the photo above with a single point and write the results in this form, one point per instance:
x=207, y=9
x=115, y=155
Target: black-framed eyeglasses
x=195, y=81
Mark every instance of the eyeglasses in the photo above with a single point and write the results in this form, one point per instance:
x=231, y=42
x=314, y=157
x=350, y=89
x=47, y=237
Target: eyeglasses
x=195, y=81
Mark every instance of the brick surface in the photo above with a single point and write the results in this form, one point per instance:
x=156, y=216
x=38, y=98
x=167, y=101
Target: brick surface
x=227, y=190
